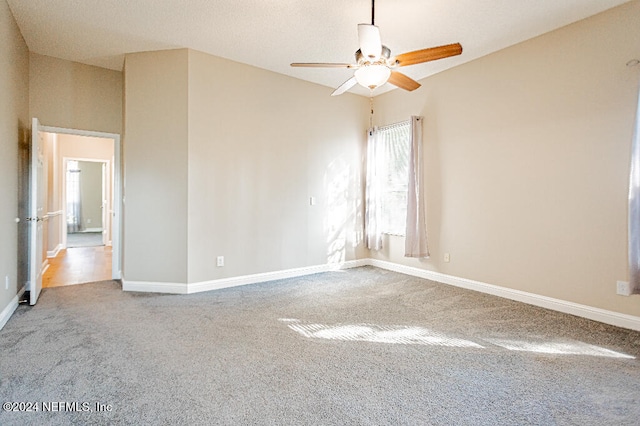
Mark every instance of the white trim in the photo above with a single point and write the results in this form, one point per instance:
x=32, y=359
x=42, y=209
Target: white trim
x=55, y=251
x=8, y=311
x=78, y=132
x=584, y=311
x=51, y=215
x=92, y=230
x=182, y=288
x=154, y=287
x=268, y=276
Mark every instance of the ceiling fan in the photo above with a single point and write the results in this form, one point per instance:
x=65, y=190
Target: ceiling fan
x=374, y=65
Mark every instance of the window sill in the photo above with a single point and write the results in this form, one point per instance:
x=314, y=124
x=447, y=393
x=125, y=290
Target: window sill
x=393, y=235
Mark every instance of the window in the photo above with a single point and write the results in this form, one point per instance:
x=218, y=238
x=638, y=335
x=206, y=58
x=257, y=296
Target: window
x=74, y=222
x=394, y=196
x=394, y=150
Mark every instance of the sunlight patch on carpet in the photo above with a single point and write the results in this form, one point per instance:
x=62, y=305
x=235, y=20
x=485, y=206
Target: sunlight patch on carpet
x=404, y=335
x=558, y=348
x=415, y=335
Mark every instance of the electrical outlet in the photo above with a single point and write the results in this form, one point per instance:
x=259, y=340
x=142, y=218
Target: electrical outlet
x=312, y=201
x=447, y=257
x=6, y=282
x=623, y=288
x=220, y=261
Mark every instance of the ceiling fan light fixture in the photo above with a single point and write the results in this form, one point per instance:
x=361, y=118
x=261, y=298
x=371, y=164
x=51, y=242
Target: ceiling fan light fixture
x=373, y=63
x=372, y=76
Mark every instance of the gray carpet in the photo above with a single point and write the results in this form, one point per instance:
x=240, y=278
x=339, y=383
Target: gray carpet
x=364, y=346
x=84, y=239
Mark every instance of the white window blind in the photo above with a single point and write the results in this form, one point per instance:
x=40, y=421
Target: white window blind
x=394, y=150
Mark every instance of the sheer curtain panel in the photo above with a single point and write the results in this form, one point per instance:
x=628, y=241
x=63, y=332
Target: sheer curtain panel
x=373, y=215
x=415, y=243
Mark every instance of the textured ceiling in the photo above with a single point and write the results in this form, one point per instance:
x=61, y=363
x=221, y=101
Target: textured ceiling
x=271, y=34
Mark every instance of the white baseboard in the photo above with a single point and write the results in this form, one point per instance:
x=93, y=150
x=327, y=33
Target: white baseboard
x=45, y=266
x=154, y=287
x=269, y=276
x=183, y=288
x=10, y=308
x=584, y=311
x=8, y=311
x=55, y=251
x=91, y=230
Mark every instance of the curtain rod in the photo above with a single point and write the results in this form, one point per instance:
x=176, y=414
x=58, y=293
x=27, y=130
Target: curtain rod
x=394, y=125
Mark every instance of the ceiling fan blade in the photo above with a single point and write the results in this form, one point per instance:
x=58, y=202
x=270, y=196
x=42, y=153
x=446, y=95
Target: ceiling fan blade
x=345, y=86
x=402, y=81
x=370, y=42
x=321, y=65
x=426, y=55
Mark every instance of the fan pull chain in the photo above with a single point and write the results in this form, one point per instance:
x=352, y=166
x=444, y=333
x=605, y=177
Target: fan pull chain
x=371, y=106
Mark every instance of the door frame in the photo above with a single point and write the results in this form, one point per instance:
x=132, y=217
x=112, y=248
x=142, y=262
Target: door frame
x=118, y=199
x=107, y=195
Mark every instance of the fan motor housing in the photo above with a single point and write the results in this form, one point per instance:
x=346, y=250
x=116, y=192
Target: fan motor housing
x=384, y=55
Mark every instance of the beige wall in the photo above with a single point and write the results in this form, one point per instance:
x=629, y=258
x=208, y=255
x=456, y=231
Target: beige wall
x=91, y=194
x=260, y=145
x=84, y=147
x=75, y=96
x=527, y=162
x=231, y=154
x=14, y=122
x=155, y=164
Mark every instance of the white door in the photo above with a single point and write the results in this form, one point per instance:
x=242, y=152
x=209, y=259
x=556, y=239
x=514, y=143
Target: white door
x=36, y=217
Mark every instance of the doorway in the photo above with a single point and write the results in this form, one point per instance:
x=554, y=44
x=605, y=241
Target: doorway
x=87, y=201
x=82, y=231
x=86, y=188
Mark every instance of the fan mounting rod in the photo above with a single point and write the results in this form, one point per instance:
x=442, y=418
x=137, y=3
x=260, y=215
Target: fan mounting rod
x=373, y=12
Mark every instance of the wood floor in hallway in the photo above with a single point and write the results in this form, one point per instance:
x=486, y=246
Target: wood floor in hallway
x=77, y=266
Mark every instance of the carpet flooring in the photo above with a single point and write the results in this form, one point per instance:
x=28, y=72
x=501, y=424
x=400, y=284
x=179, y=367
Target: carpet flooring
x=356, y=347
x=84, y=239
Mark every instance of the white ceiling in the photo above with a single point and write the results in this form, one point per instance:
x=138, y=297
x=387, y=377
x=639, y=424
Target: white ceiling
x=271, y=34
